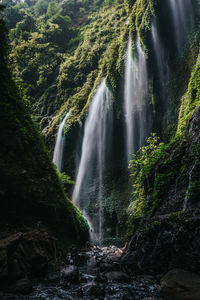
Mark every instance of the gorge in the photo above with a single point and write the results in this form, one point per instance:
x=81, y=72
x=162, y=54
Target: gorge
x=111, y=89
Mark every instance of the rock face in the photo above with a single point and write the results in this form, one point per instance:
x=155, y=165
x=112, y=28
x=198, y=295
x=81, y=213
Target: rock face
x=168, y=235
x=178, y=284
x=24, y=255
x=163, y=243
x=71, y=273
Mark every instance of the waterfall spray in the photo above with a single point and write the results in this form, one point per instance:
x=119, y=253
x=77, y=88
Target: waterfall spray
x=58, y=150
x=136, y=106
x=91, y=169
x=182, y=12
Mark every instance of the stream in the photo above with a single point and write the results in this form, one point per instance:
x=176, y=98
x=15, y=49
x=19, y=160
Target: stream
x=94, y=273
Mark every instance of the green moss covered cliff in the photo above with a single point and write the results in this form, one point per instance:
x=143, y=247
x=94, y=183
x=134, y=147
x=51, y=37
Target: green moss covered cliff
x=30, y=190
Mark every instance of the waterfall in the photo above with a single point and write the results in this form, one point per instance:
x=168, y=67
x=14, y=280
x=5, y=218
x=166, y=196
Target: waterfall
x=58, y=150
x=136, y=106
x=163, y=71
x=161, y=59
x=88, y=191
x=182, y=13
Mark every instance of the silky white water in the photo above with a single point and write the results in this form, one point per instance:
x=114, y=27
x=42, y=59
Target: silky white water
x=182, y=13
x=160, y=55
x=135, y=100
x=90, y=174
x=58, y=150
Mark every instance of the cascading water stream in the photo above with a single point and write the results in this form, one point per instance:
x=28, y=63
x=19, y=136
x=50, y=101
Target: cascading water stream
x=182, y=13
x=91, y=169
x=161, y=59
x=136, y=106
x=58, y=150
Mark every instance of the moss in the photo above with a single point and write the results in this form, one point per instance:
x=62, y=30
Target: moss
x=190, y=100
x=193, y=191
x=100, y=55
x=140, y=19
x=31, y=191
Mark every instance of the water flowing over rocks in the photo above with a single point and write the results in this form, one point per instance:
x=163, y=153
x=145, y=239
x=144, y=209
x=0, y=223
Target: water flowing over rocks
x=92, y=273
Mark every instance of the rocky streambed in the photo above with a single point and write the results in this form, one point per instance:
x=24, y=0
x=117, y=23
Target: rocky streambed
x=31, y=267
x=92, y=273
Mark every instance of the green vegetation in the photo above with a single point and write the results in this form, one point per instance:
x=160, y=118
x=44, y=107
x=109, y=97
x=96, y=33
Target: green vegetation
x=190, y=100
x=157, y=166
x=140, y=19
x=31, y=191
x=143, y=163
x=60, y=52
x=60, y=49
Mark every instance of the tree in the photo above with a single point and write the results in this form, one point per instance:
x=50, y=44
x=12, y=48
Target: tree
x=40, y=7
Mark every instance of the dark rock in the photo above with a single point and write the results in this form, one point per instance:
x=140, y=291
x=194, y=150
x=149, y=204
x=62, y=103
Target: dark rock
x=170, y=237
x=80, y=259
x=105, y=267
x=178, y=284
x=7, y=246
x=117, y=277
x=3, y=263
x=53, y=277
x=31, y=254
x=100, y=277
x=71, y=273
x=93, y=289
x=149, y=298
x=23, y=286
x=163, y=243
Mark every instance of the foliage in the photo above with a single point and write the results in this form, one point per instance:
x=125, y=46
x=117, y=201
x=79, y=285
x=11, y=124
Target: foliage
x=156, y=166
x=140, y=19
x=190, y=100
x=143, y=163
x=58, y=47
x=65, y=180
x=30, y=188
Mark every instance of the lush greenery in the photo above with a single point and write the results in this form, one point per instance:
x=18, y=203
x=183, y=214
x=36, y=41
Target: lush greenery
x=140, y=19
x=157, y=166
x=190, y=100
x=31, y=191
x=60, y=49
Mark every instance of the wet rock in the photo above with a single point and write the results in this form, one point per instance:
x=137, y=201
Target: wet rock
x=105, y=267
x=93, y=289
x=54, y=277
x=81, y=258
x=149, y=298
x=176, y=238
x=178, y=284
x=7, y=246
x=31, y=254
x=71, y=273
x=23, y=286
x=117, y=277
x=100, y=277
x=3, y=263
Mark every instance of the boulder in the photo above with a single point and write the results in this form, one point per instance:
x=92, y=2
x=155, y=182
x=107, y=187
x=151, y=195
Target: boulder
x=7, y=247
x=93, y=289
x=23, y=255
x=163, y=243
x=117, y=277
x=23, y=286
x=71, y=273
x=178, y=284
